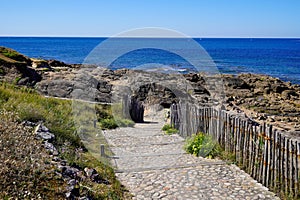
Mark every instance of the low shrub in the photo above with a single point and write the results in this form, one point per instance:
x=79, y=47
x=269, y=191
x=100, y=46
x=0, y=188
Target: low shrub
x=166, y=127
x=109, y=123
x=202, y=145
x=169, y=129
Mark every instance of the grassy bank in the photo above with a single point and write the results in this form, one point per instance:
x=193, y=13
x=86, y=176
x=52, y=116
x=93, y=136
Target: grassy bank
x=18, y=104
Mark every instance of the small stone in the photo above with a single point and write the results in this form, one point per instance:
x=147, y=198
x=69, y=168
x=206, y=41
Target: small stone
x=162, y=195
x=261, y=196
x=156, y=194
x=89, y=172
x=72, y=182
x=50, y=148
x=56, y=159
x=68, y=194
x=166, y=188
x=69, y=172
x=63, y=163
x=44, y=128
x=227, y=184
x=149, y=188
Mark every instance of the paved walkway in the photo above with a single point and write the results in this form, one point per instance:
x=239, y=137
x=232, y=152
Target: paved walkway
x=153, y=165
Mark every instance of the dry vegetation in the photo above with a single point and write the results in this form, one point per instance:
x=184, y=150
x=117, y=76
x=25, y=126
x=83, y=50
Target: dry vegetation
x=25, y=167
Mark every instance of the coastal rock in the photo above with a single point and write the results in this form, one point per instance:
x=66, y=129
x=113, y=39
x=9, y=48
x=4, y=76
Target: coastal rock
x=16, y=68
x=50, y=148
x=40, y=64
x=45, y=136
x=56, y=63
x=288, y=94
x=94, y=176
x=43, y=133
x=235, y=83
x=267, y=95
x=55, y=88
x=89, y=172
x=69, y=172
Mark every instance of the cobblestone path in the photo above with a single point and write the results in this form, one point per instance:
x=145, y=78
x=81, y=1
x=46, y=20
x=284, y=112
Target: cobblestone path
x=153, y=165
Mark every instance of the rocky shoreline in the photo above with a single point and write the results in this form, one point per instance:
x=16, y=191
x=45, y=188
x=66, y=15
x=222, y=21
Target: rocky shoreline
x=260, y=97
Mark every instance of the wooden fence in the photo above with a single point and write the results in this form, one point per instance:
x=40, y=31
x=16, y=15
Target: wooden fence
x=270, y=156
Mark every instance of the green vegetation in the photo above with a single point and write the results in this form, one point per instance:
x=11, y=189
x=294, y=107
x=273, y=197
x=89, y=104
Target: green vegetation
x=110, y=117
x=111, y=123
x=29, y=105
x=1, y=71
x=17, y=79
x=62, y=119
x=202, y=145
x=169, y=129
x=108, y=123
x=10, y=55
x=227, y=156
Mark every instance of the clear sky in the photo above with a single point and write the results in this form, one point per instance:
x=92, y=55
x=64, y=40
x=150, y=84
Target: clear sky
x=200, y=18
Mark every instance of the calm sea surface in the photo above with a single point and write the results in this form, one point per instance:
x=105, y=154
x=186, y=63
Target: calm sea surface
x=275, y=57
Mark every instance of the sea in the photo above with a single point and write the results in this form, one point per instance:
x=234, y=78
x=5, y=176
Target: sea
x=271, y=56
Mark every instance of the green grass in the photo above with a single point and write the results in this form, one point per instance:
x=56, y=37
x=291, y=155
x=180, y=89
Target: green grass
x=29, y=105
x=202, y=145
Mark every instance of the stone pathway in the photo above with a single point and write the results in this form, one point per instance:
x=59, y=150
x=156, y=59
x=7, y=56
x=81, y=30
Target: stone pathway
x=153, y=165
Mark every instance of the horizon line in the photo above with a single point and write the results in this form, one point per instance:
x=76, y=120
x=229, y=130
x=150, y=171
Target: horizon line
x=196, y=37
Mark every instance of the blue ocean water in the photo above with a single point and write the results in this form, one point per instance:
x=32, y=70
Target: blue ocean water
x=276, y=57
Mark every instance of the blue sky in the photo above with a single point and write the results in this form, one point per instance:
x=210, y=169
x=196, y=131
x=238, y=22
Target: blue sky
x=200, y=18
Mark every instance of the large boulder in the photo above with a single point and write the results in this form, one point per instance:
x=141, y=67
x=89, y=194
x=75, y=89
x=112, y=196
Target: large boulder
x=56, y=88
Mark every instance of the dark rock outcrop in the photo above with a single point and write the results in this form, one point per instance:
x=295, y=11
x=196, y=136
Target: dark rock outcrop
x=265, y=98
x=16, y=68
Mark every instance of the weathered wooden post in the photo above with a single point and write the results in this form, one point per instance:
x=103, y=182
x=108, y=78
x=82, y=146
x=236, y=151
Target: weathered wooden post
x=102, y=151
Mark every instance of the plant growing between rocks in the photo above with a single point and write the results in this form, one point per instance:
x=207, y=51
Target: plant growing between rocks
x=169, y=129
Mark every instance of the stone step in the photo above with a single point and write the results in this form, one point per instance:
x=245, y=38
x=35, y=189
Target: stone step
x=167, y=167
x=133, y=162
x=140, y=150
